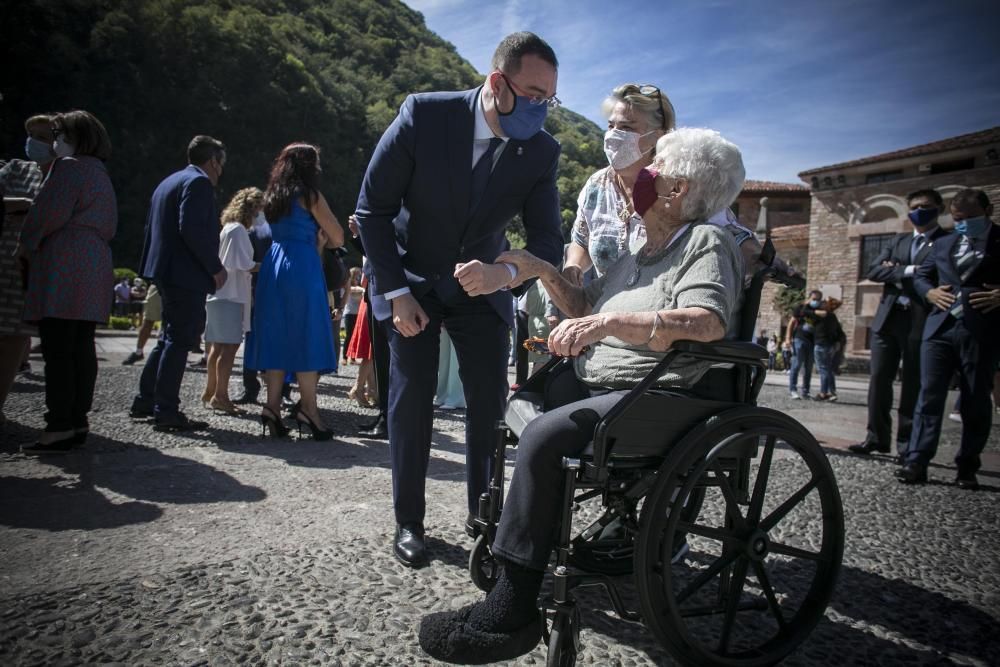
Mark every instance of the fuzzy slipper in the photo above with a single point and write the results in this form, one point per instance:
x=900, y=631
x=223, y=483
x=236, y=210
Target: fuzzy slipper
x=447, y=637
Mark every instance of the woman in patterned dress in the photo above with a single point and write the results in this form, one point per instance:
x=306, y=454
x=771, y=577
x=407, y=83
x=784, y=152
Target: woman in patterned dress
x=65, y=242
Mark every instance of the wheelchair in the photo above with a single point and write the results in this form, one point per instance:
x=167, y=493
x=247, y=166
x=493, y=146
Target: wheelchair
x=727, y=570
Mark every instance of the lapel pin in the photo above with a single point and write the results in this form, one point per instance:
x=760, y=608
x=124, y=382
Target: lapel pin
x=520, y=150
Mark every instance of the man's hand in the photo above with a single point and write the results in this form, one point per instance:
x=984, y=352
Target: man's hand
x=889, y=263
x=477, y=278
x=941, y=297
x=570, y=337
x=552, y=320
x=987, y=300
x=573, y=275
x=352, y=223
x=220, y=279
x=407, y=315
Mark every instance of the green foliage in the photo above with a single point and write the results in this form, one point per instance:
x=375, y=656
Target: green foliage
x=119, y=323
x=123, y=272
x=788, y=299
x=256, y=74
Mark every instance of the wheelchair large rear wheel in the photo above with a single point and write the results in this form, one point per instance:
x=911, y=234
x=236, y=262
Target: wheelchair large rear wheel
x=765, y=550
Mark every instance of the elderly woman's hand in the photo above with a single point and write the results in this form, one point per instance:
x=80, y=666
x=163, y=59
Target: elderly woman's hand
x=570, y=337
x=528, y=266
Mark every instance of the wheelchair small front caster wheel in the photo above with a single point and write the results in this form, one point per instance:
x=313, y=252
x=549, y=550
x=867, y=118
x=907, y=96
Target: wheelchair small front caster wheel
x=564, y=639
x=483, y=567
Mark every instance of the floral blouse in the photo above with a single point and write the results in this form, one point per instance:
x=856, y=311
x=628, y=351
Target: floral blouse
x=603, y=224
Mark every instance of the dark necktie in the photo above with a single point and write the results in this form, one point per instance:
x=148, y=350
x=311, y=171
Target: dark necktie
x=481, y=174
x=918, y=244
x=965, y=257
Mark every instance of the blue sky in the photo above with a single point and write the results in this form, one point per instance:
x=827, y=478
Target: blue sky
x=796, y=85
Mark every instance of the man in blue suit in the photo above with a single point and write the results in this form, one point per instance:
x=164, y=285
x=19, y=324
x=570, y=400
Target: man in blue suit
x=961, y=279
x=180, y=254
x=443, y=183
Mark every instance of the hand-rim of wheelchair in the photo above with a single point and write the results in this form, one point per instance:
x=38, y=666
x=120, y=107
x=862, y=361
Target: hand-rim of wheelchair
x=680, y=472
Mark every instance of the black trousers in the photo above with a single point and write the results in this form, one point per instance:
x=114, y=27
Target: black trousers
x=70, y=372
x=951, y=348
x=897, y=341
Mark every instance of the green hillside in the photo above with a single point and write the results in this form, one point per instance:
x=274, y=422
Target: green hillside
x=257, y=74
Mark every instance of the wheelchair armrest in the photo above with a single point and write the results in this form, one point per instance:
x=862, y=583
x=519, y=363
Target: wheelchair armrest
x=731, y=351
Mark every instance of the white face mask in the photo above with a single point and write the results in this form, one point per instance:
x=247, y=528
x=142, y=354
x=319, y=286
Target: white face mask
x=62, y=148
x=622, y=147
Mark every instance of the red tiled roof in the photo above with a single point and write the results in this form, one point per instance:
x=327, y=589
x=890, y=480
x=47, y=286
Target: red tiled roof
x=766, y=187
x=991, y=135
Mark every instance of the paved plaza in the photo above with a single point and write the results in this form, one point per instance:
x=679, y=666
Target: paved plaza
x=221, y=547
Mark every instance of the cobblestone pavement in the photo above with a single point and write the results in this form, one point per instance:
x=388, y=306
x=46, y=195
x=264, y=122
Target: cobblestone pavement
x=223, y=547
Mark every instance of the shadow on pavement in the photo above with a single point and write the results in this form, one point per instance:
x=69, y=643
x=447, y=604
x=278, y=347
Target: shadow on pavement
x=75, y=498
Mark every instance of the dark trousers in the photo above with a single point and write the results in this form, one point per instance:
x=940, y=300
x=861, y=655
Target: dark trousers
x=480, y=337
x=954, y=347
x=895, y=342
x=182, y=324
x=349, y=322
x=520, y=352
x=70, y=372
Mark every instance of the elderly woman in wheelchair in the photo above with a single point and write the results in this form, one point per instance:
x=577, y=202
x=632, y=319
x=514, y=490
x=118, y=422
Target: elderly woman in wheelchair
x=685, y=285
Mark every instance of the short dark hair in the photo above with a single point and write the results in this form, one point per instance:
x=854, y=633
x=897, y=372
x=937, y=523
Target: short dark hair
x=817, y=292
x=203, y=148
x=513, y=47
x=85, y=132
x=933, y=195
x=969, y=197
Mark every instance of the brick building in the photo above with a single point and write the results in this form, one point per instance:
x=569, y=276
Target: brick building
x=858, y=206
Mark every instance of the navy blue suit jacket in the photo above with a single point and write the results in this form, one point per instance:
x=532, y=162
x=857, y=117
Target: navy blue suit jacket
x=413, y=210
x=939, y=269
x=181, y=247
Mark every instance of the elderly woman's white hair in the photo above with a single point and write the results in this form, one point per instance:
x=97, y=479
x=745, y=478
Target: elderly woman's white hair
x=712, y=166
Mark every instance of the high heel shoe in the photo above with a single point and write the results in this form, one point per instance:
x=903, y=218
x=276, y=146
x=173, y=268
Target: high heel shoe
x=302, y=419
x=358, y=396
x=271, y=422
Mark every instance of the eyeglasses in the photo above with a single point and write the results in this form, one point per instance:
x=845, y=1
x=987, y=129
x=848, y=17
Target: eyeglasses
x=648, y=90
x=551, y=102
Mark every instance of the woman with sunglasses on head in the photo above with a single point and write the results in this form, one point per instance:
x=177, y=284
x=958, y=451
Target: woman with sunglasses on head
x=607, y=226
x=65, y=243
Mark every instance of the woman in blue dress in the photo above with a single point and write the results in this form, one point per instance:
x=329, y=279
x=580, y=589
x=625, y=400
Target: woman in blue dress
x=291, y=323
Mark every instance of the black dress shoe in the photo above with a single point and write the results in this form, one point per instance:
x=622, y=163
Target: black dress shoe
x=178, y=422
x=380, y=431
x=867, y=447
x=912, y=473
x=409, y=546
x=447, y=636
x=967, y=481
x=140, y=410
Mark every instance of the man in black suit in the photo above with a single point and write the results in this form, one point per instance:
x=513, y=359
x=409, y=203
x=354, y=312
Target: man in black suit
x=445, y=180
x=180, y=254
x=897, y=326
x=961, y=279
